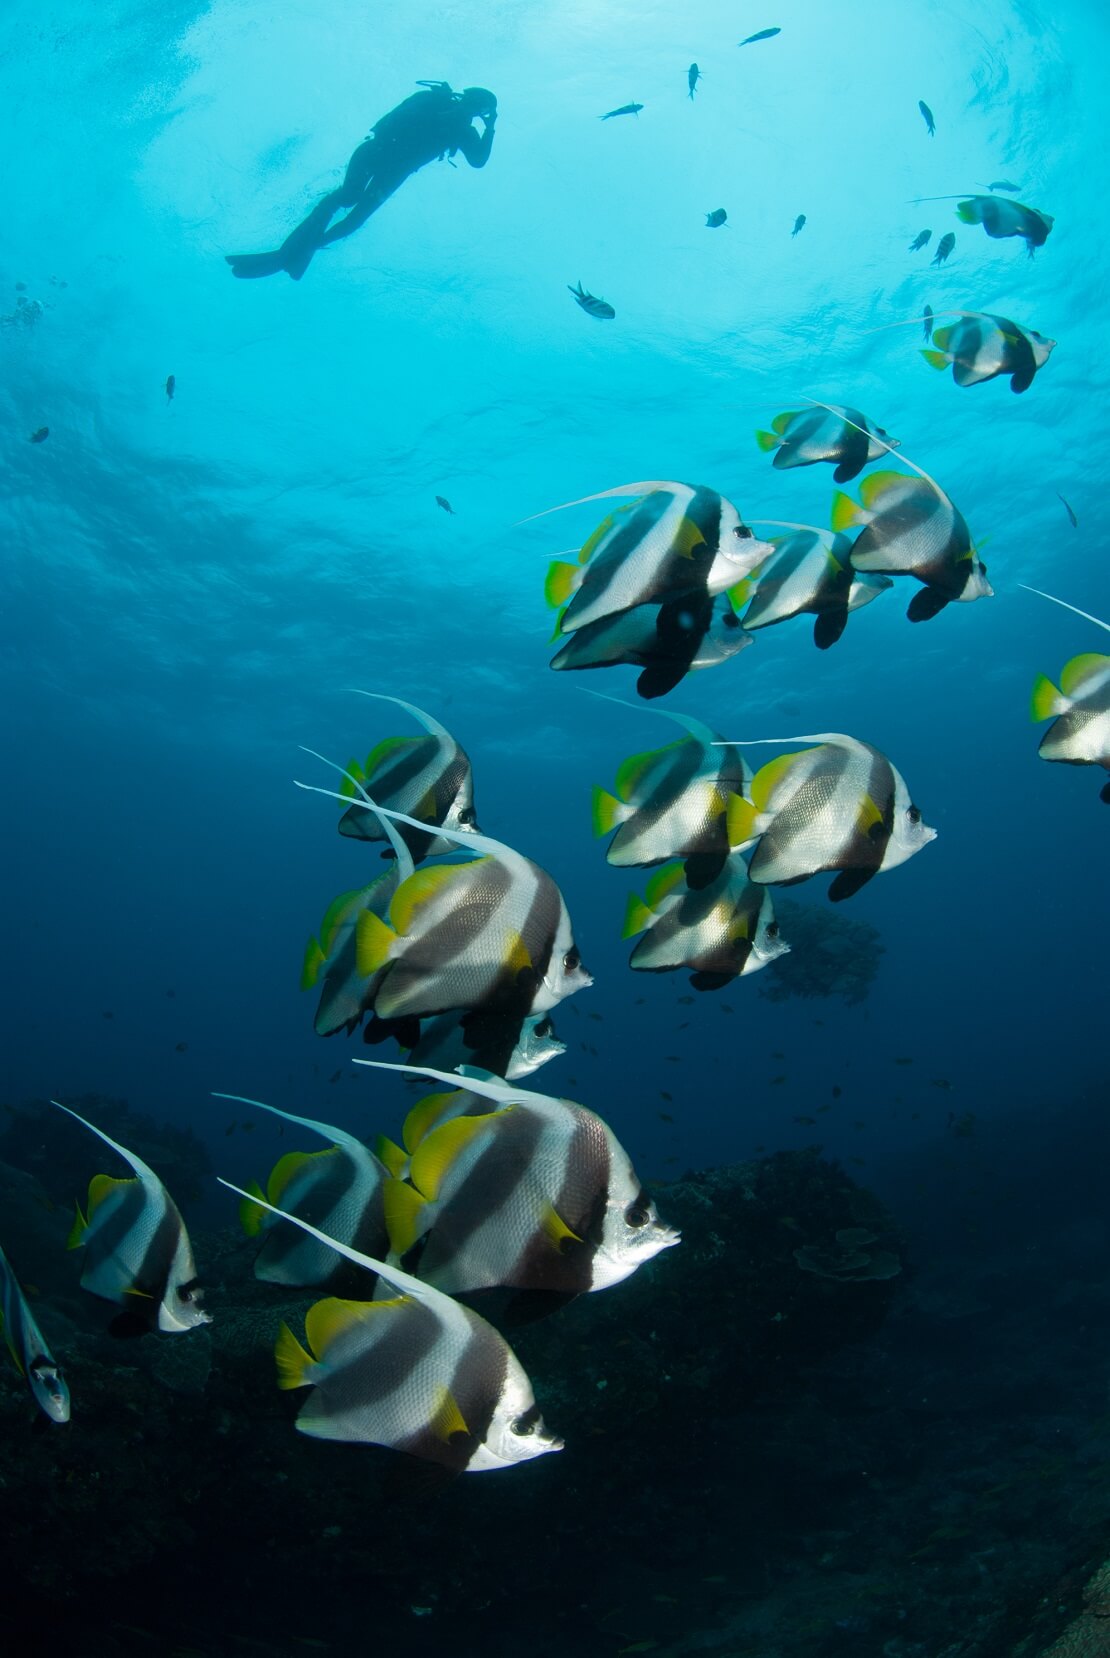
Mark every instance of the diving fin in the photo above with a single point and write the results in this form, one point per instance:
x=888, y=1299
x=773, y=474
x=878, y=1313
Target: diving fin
x=256, y=264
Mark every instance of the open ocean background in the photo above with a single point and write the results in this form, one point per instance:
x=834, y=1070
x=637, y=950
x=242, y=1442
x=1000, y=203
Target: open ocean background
x=191, y=588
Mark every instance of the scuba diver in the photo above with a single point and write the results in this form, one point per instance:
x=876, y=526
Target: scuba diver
x=426, y=127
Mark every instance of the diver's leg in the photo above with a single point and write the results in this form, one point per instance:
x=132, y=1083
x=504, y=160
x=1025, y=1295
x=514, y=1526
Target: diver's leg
x=377, y=192
x=296, y=251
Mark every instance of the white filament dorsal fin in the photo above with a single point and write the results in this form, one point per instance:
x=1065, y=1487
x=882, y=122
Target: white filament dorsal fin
x=431, y=726
x=800, y=737
x=908, y=322
x=889, y=447
x=697, y=728
x=327, y=1131
x=490, y=1088
x=401, y=852
x=644, y=487
x=144, y=1172
x=465, y=841
x=1064, y=605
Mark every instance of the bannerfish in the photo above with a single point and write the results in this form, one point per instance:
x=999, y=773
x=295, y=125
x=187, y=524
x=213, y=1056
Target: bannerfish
x=675, y=540
x=762, y=34
x=666, y=641
x=716, y=219
x=693, y=76
x=811, y=574
x=28, y=1348
x=1001, y=218
x=671, y=803
x=536, y=1195
x=506, y=1045
x=625, y=109
x=137, y=1251
x=921, y=240
x=442, y=501
x=340, y=1190
x=980, y=346
x=1072, y=519
x=417, y=1373
x=593, y=307
x=346, y=994
x=491, y=935
x=944, y=247
x=799, y=223
x=835, y=433
x=425, y=777
x=927, y=322
x=171, y=387
x=841, y=806
x=41, y=435
x=927, y=117
x=1080, y=709
x=725, y=930
x=911, y=528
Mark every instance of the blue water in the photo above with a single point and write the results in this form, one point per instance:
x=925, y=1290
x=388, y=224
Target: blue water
x=191, y=588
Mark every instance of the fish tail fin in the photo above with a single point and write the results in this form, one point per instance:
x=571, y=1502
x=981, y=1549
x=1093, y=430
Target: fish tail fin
x=969, y=212
x=404, y=1215
x=562, y=582
x=608, y=811
x=846, y=512
x=740, y=816
x=374, y=940
x=937, y=359
x=77, y=1231
x=294, y=1363
x=387, y=1151
x=637, y=917
x=314, y=959
x=251, y=1214
x=1046, y=700
x=767, y=440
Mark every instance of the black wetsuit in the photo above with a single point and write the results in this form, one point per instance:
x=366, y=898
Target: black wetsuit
x=426, y=127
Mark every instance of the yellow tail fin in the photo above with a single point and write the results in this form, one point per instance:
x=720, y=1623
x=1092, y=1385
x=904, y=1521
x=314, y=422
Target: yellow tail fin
x=293, y=1363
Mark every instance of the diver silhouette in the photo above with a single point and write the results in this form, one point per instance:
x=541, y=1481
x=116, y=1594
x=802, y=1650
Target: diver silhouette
x=429, y=125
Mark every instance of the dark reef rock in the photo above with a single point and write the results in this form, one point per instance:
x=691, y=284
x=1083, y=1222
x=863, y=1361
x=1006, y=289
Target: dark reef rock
x=831, y=954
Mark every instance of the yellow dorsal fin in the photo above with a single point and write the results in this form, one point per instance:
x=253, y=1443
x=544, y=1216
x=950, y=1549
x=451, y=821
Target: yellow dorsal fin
x=941, y=337
x=589, y=546
x=662, y=882
x=438, y=1150
x=555, y=1228
x=293, y=1363
x=877, y=484
x=637, y=917
x=339, y=910
x=768, y=777
x=374, y=942
x=782, y=421
x=740, y=593
x=387, y=1151
x=404, y=1215
x=425, y=1114
x=327, y=1320
x=447, y=1419
x=102, y=1186
x=381, y=752
x=1074, y=674
x=314, y=959
x=632, y=771
x=77, y=1231
x=563, y=581
x=347, y=789
x=252, y=1216
x=291, y=1164
x=422, y=886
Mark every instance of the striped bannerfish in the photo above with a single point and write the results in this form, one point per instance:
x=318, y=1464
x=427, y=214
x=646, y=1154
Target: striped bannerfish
x=137, y=1251
x=340, y=1190
x=726, y=929
x=911, y=528
x=428, y=778
x=672, y=802
x=1080, y=732
x=841, y=806
x=677, y=539
x=27, y=1346
x=346, y=994
x=417, y=1373
x=510, y=1046
x=594, y=307
x=827, y=432
x=666, y=641
x=810, y=574
x=537, y=1195
x=1001, y=218
x=980, y=346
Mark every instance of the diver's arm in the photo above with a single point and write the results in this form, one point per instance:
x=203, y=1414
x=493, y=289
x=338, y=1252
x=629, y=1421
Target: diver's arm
x=476, y=150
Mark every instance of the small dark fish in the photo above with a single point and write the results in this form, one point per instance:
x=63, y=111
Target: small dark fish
x=685, y=1025
x=625, y=109
x=171, y=386
x=716, y=219
x=799, y=222
x=335, y=1076
x=1004, y=184
x=777, y=1081
x=181, y=1047
x=41, y=435
x=1072, y=519
x=248, y=1128
x=807, y=1122
x=107, y=1015
x=596, y=1016
x=693, y=76
x=944, y=247
x=903, y=1060
x=593, y=306
x=763, y=34
x=171, y=992
x=821, y=1108
x=940, y=1082
x=663, y=1095
x=927, y=117
x=686, y=1001
x=920, y=240
x=231, y=1127
x=927, y=321
x=725, y=1007
x=665, y=1117
x=674, y=1058
x=776, y=1053
x=442, y=501
x=837, y=1091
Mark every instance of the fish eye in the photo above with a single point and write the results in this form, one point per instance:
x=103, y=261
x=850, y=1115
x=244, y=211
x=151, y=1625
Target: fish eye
x=572, y=960
x=914, y=814
x=544, y=1028
x=466, y=815
x=637, y=1214
x=743, y=532
x=526, y=1424
x=729, y=620
x=772, y=929
x=187, y=1292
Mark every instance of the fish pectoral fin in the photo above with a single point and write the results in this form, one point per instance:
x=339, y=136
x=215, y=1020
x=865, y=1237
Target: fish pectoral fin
x=141, y=1295
x=102, y=1186
x=252, y=1216
x=294, y=1364
x=77, y=1231
x=555, y=1228
x=374, y=943
x=638, y=917
x=314, y=959
x=1046, y=700
x=447, y=1419
x=608, y=811
x=688, y=538
x=869, y=819
x=438, y=1150
x=405, y=1215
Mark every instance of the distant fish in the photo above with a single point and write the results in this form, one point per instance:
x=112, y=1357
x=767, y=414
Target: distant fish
x=593, y=307
x=810, y=573
x=1004, y=184
x=171, y=386
x=426, y=777
x=980, y=347
x=665, y=640
x=40, y=436
x=181, y=1048
x=762, y=34
x=927, y=117
x=944, y=247
x=914, y=529
x=1072, y=519
x=722, y=931
x=27, y=1346
x=1007, y=218
x=693, y=76
x=799, y=223
x=833, y=432
x=920, y=240
x=442, y=501
x=717, y=218
x=1080, y=709
x=625, y=109
x=927, y=321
